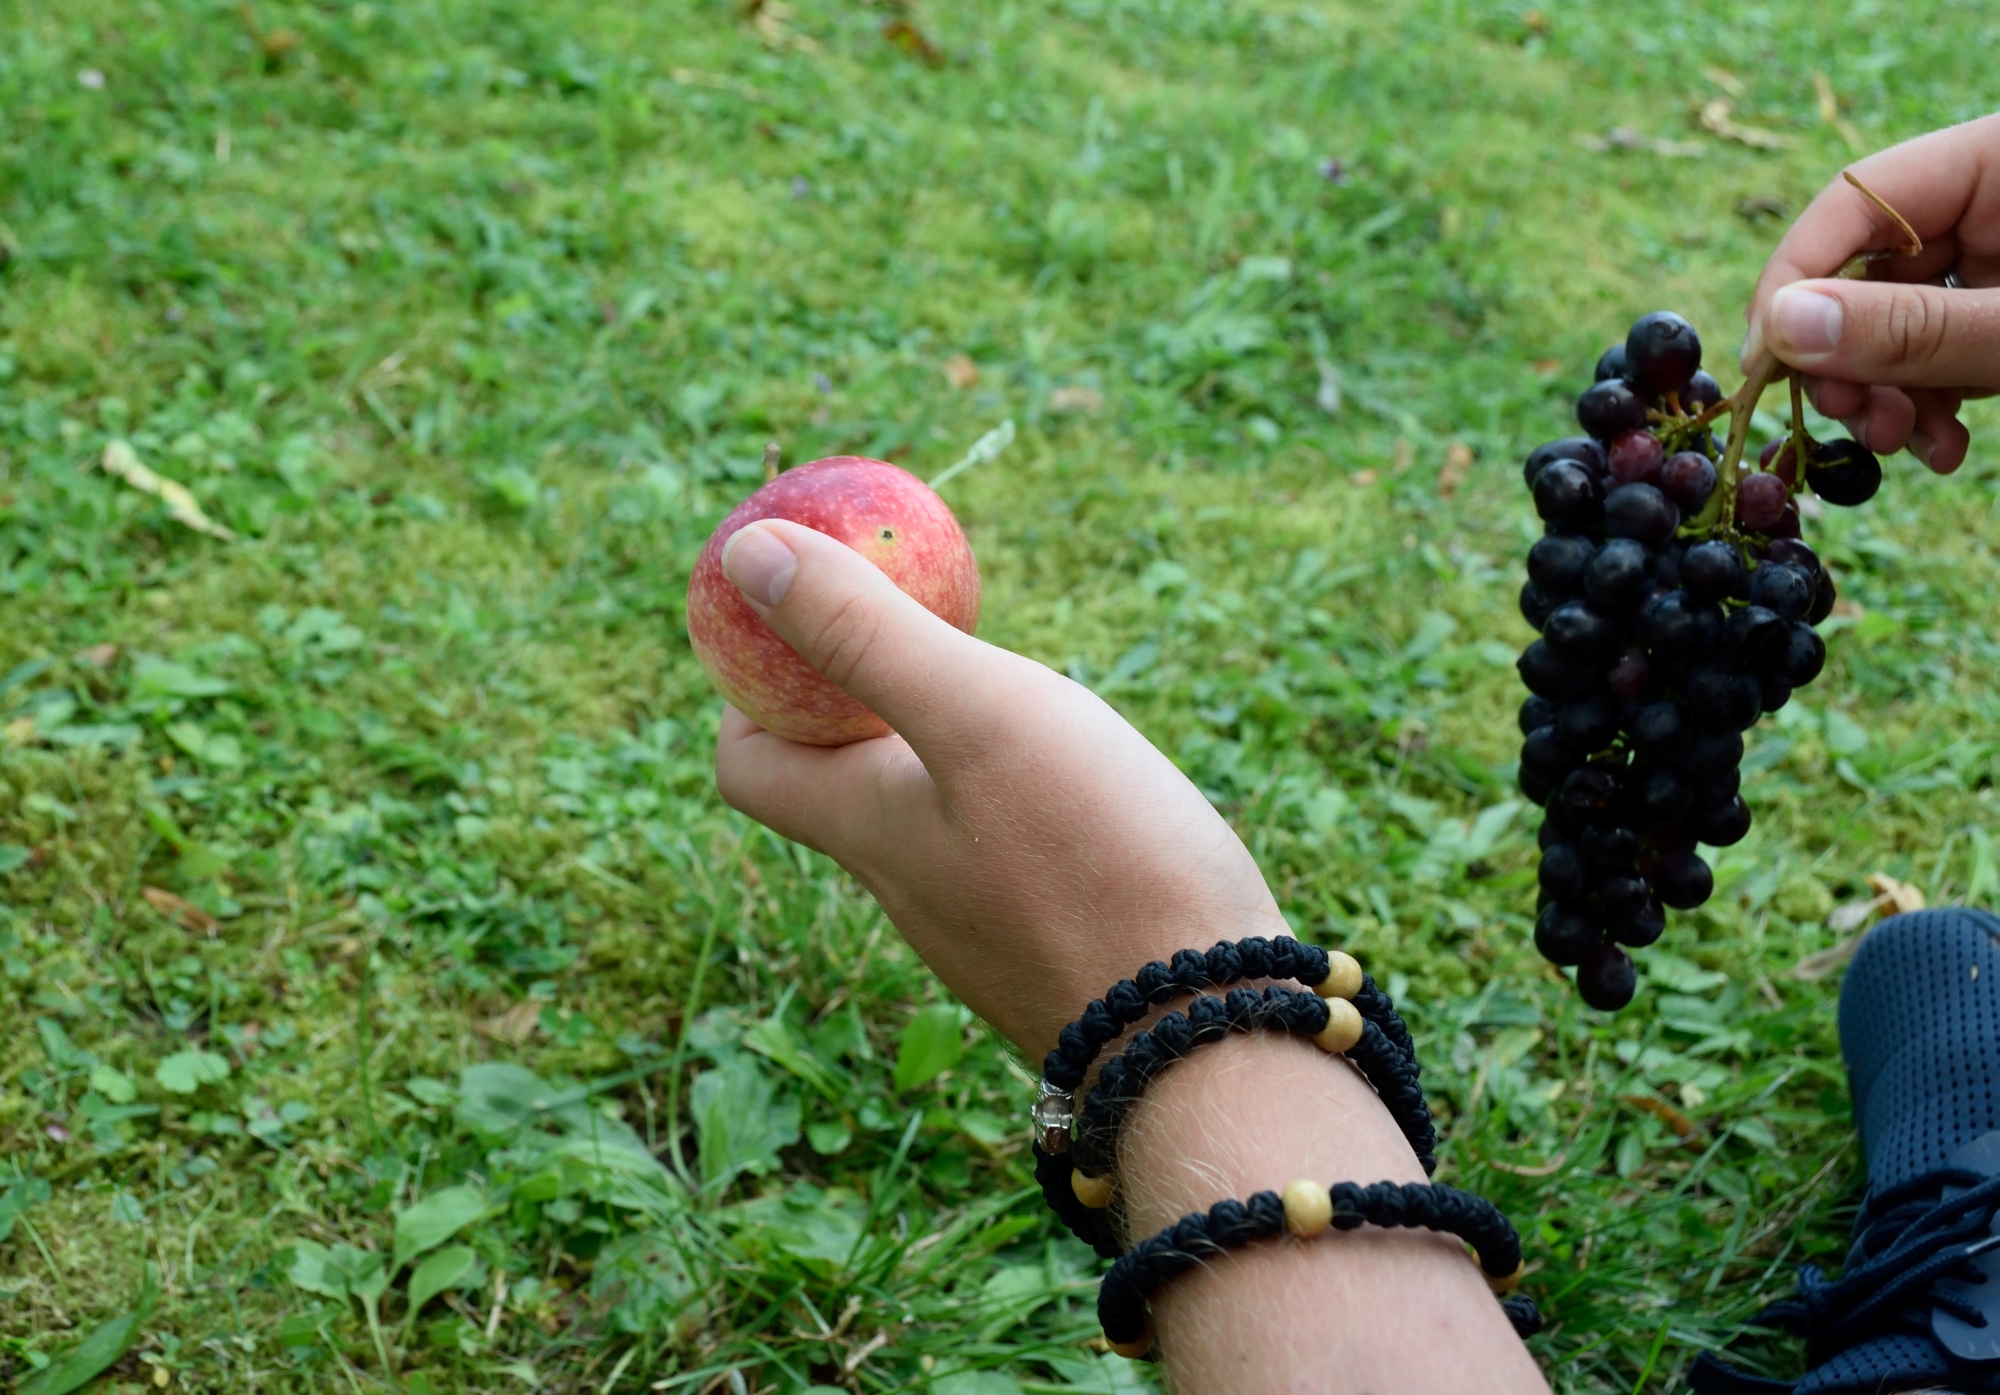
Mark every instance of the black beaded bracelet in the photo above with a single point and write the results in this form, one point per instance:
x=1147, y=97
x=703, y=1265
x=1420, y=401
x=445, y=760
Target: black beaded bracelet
x=1077, y=1185
x=1308, y=1210
x=1190, y=971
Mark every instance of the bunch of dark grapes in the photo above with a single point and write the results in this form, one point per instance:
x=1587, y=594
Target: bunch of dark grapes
x=1674, y=610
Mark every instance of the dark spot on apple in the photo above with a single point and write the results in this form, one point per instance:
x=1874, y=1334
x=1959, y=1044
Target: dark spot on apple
x=886, y=535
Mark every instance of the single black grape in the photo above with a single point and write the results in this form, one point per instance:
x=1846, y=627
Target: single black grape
x=1795, y=553
x=1588, y=726
x=1843, y=472
x=1548, y=835
x=1611, y=364
x=1564, y=874
x=1538, y=788
x=1688, y=479
x=1611, y=845
x=1711, y=754
x=1590, y=790
x=1548, y=673
x=1682, y=629
x=1718, y=787
x=1640, y=927
x=1607, y=979
x=1664, y=798
x=1566, y=495
x=1631, y=674
x=1620, y=894
x=1752, y=634
x=1701, y=393
x=1805, y=655
x=1547, y=755
x=1578, y=632
x=1640, y=512
x=1783, y=587
x=1581, y=449
x=1724, y=701
x=1682, y=880
x=1537, y=604
x=1656, y=726
x=1611, y=408
x=1537, y=712
x=1775, y=692
x=1823, y=598
x=1722, y=825
x=1662, y=352
x=1711, y=571
x=1567, y=934
x=1556, y=563
x=1761, y=501
x=1617, y=575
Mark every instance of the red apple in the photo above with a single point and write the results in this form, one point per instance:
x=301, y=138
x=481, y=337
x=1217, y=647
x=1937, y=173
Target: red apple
x=888, y=516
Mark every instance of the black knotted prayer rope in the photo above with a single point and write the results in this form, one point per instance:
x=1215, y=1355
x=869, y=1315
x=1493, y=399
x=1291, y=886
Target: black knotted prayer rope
x=1189, y=971
x=1391, y=1069
x=1201, y=1236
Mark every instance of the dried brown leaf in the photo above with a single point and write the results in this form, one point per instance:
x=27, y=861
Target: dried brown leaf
x=1683, y=1127
x=1457, y=465
x=960, y=371
x=1815, y=967
x=516, y=1024
x=179, y=910
x=1715, y=118
x=911, y=40
x=1079, y=401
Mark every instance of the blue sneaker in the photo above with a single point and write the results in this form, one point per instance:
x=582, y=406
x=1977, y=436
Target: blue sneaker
x=1917, y=1304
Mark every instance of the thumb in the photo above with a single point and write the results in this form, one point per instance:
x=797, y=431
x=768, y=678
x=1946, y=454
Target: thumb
x=1882, y=332
x=919, y=673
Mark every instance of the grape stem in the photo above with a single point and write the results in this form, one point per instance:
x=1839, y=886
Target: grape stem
x=1741, y=407
x=1798, y=431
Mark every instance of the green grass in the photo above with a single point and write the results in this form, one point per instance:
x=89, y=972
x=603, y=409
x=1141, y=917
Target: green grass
x=473, y=336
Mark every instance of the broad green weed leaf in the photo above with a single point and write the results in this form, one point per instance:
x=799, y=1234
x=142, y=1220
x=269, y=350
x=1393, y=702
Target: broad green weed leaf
x=114, y=1085
x=184, y=1072
x=931, y=1045
x=439, y=1272
x=313, y=1269
x=498, y=1099
x=742, y=1119
x=83, y=1362
x=366, y=1275
x=435, y=1220
x=18, y=1199
x=163, y=678
x=12, y=855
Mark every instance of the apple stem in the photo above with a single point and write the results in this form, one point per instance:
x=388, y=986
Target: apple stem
x=773, y=453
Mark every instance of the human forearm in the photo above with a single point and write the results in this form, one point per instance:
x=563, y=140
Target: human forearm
x=1367, y=1310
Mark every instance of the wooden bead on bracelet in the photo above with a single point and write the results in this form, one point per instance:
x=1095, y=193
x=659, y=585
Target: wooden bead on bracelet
x=1308, y=1208
x=1094, y=1192
x=1343, y=1028
x=1343, y=976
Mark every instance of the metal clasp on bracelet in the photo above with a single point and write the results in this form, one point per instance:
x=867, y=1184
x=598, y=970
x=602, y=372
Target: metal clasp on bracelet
x=1053, y=1116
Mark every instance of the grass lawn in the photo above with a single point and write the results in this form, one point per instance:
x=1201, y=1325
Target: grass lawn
x=391, y=1004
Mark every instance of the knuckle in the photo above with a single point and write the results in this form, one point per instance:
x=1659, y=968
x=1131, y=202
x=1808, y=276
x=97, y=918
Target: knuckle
x=1915, y=327
x=841, y=642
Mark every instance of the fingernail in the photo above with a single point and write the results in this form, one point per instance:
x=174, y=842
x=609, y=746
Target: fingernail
x=1922, y=447
x=758, y=564
x=1805, y=322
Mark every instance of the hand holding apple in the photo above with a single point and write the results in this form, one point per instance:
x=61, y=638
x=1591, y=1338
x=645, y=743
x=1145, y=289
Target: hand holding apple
x=887, y=515
x=1028, y=843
